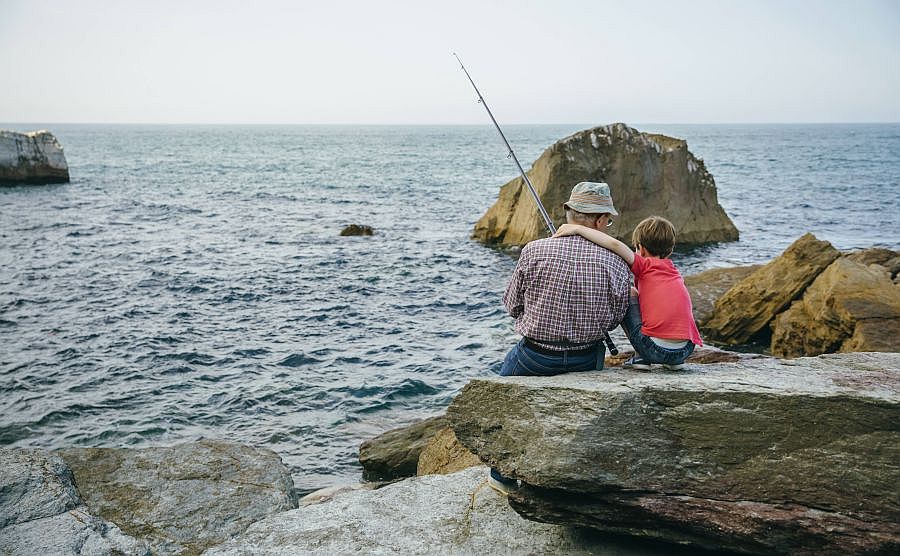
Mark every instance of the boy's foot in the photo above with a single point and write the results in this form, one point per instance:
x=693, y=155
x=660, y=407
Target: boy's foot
x=501, y=484
x=636, y=363
x=675, y=367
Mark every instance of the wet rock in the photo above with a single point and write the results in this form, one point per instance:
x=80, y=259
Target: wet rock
x=34, y=157
x=395, y=453
x=444, y=455
x=849, y=307
x=751, y=304
x=647, y=174
x=357, y=230
x=41, y=512
x=434, y=514
x=184, y=498
x=759, y=456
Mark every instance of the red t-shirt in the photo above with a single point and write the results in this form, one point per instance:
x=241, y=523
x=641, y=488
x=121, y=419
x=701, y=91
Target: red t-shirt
x=665, y=303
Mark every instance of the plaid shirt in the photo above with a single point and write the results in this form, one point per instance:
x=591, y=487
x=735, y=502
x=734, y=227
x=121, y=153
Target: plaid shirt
x=566, y=291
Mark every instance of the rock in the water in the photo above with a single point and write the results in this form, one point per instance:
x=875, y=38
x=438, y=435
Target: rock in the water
x=34, y=157
x=357, y=230
x=849, y=307
x=708, y=286
x=444, y=455
x=41, y=512
x=759, y=456
x=647, y=174
x=395, y=453
x=435, y=514
x=749, y=306
x=186, y=497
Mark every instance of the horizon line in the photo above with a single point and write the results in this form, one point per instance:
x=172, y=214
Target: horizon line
x=322, y=124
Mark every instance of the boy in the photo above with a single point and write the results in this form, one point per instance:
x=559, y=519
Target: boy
x=660, y=321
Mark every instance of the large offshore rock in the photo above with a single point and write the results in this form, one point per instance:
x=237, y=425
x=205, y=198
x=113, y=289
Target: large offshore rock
x=34, y=157
x=647, y=174
x=434, y=514
x=41, y=512
x=184, y=498
x=395, y=453
x=758, y=456
x=749, y=306
x=849, y=307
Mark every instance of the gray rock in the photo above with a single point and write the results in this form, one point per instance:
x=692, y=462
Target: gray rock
x=395, y=453
x=34, y=157
x=435, y=514
x=33, y=485
x=41, y=512
x=183, y=498
x=759, y=456
x=73, y=532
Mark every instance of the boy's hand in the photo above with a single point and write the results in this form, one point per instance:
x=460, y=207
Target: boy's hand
x=567, y=230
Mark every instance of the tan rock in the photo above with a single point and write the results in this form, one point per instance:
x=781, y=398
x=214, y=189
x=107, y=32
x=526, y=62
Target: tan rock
x=395, y=454
x=708, y=286
x=647, y=174
x=880, y=256
x=749, y=306
x=849, y=307
x=445, y=455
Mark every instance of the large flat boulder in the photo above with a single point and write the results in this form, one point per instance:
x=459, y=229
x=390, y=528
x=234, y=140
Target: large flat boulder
x=849, y=307
x=434, y=514
x=647, y=174
x=758, y=456
x=41, y=512
x=184, y=498
x=750, y=305
x=34, y=157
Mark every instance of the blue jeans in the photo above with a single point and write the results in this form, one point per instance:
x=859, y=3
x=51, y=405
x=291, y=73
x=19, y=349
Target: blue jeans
x=524, y=361
x=647, y=349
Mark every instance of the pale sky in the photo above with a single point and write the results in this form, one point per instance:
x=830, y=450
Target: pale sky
x=371, y=62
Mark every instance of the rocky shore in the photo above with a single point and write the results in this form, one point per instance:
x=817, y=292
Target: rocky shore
x=35, y=157
x=753, y=456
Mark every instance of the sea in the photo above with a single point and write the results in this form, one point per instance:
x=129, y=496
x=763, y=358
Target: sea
x=190, y=282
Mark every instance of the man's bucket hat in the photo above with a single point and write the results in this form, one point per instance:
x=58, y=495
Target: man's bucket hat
x=591, y=198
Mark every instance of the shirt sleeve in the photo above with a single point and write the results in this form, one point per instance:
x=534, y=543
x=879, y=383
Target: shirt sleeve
x=639, y=265
x=514, y=296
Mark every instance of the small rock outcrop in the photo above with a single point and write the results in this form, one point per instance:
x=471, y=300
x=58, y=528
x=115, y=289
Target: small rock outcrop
x=357, y=230
x=647, y=174
x=34, y=157
x=708, y=286
x=395, y=453
x=42, y=513
x=435, y=514
x=444, y=455
x=849, y=307
x=760, y=456
x=184, y=498
x=751, y=304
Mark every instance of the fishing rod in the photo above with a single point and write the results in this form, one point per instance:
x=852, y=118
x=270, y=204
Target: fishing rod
x=606, y=339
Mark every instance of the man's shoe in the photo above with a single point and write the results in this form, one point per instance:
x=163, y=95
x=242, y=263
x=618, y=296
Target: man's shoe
x=501, y=484
x=636, y=363
x=675, y=367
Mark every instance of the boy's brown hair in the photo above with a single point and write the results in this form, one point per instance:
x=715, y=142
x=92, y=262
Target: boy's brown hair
x=656, y=235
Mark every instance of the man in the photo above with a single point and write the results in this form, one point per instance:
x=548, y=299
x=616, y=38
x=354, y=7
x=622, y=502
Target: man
x=565, y=292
